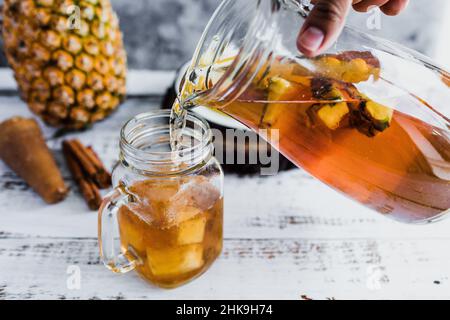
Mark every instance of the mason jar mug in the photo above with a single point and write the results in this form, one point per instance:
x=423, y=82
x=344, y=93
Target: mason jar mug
x=165, y=217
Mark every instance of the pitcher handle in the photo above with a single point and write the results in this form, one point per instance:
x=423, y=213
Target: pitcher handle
x=111, y=253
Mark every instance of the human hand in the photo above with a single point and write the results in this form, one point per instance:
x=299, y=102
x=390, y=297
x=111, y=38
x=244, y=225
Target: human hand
x=326, y=21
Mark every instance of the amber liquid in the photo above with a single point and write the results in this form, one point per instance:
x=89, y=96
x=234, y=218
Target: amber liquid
x=174, y=230
x=401, y=170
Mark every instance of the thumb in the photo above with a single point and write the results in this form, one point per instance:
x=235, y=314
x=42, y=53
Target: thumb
x=323, y=26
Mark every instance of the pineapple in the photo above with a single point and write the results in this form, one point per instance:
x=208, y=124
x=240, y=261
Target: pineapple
x=68, y=58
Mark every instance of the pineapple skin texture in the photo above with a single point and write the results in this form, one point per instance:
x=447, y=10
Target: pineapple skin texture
x=68, y=58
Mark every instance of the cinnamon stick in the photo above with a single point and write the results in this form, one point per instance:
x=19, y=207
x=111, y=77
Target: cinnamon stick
x=103, y=177
x=75, y=147
x=88, y=189
x=91, y=193
x=87, y=170
x=90, y=162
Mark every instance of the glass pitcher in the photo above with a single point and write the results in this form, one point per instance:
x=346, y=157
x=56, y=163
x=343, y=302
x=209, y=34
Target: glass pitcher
x=369, y=118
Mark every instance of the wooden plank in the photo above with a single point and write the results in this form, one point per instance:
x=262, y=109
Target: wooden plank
x=248, y=268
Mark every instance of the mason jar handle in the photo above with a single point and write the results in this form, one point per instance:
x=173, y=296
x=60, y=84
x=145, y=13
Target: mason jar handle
x=113, y=256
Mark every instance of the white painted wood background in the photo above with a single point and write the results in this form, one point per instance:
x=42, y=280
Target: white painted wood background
x=285, y=236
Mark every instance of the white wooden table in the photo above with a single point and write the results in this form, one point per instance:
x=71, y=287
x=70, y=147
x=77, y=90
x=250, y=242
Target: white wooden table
x=285, y=236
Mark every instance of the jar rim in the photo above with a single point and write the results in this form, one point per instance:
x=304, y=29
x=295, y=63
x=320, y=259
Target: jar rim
x=143, y=158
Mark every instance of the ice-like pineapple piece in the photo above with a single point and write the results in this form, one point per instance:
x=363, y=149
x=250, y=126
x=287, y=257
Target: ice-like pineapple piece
x=156, y=190
x=175, y=261
x=181, y=213
x=204, y=194
x=131, y=227
x=153, y=197
x=196, y=196
x=192, y=231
